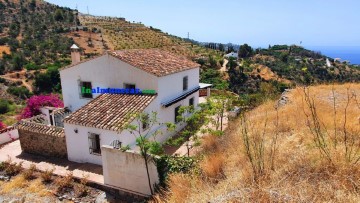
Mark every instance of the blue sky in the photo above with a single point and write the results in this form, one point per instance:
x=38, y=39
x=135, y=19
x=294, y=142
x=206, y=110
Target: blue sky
x=256, y=22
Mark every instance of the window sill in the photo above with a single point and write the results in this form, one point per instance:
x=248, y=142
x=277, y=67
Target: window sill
x=96, y=154
x=86, y=98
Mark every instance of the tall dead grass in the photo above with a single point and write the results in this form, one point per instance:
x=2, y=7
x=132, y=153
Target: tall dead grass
x=212, y=167
x=297, y=170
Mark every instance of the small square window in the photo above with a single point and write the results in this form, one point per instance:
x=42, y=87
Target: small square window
x=191, y=101
x=129, y=86
x=94, y=144
x=86, y=90
x=185, y=83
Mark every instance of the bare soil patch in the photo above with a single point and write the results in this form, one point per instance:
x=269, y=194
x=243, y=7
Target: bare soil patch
x=5, y=49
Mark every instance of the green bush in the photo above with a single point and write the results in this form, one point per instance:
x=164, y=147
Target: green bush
x=32, y=66
x=169, y=164
x=21, y=92
x=4, y=106
x=48, y=82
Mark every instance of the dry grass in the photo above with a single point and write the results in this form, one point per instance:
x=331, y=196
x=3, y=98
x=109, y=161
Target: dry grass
x=16, y=183
x=301, y=173
x=36, y=186
x=29, y=173
x=19, y=186
x=64, y=182
x=81, y=188
x=180, y=186
x=46, y=176
x=209, y=143
x=212, y=166
x=12, y=168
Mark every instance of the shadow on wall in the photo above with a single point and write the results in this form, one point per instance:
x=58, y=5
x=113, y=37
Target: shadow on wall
x=126, y=171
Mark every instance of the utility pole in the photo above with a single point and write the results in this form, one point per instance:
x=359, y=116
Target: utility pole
x=90, y=30
x=76, y=16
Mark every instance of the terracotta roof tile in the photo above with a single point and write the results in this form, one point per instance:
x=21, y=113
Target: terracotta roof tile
x=109, y=111
x=82, y=61
x=155, y=61
x=37, y=124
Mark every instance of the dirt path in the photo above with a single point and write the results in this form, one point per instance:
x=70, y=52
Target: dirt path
x=24, y=83
x=20, y=76
x=223, y=68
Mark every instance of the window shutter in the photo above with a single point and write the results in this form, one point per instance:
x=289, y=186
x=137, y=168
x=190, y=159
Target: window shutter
x=80, y=85
x=90, y=143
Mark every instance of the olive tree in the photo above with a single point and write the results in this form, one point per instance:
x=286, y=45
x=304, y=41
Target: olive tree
x=145, y=136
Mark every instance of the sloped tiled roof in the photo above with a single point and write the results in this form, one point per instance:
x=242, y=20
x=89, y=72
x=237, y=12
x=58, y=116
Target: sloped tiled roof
x=110, y=111
x=155, y=61
x=82, y=61
x=38, y=124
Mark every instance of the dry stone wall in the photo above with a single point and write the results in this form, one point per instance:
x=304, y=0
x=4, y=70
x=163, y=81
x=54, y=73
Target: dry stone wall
x=43, y=144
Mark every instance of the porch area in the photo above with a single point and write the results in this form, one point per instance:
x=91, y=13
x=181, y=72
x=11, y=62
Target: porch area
x=61, y=166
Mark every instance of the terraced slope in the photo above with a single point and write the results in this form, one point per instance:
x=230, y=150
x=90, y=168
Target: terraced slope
x=119, y=34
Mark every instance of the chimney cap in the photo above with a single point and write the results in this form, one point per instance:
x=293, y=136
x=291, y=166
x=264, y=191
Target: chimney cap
x=74, y=47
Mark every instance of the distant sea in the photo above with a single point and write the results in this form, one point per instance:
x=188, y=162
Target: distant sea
x=348, y=53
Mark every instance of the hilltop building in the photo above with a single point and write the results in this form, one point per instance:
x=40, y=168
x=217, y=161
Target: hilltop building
x=100, y=119
x=91, y=126
x=232, y=54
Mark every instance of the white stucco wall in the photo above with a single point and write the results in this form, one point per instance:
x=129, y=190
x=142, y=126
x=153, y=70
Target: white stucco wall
x=9, y=135
x=109, y=72
x=104, y=72
x=78, y=143
x=127, y=171
x=172, y=85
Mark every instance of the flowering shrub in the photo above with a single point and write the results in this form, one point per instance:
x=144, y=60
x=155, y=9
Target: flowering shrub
x=2, y=125
x=34, y=104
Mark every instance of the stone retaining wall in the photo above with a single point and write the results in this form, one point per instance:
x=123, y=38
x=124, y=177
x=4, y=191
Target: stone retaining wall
x=42, y=143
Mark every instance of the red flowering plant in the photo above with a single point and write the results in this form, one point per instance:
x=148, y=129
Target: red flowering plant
x=2, y=125
x=34, y=104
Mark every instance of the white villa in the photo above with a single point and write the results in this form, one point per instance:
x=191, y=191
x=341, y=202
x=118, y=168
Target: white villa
x=90, y=127
x=98, y=119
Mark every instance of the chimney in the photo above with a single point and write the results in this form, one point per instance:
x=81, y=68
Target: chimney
x=75, y=54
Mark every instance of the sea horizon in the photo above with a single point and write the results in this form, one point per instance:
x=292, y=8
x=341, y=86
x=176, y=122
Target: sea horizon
x=345, y=53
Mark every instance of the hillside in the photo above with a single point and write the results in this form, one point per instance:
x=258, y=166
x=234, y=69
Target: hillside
x=34, y=34
x=31, y=34
x=271, y=155
x=300, y=65
x=283, y=66
x=119, y=34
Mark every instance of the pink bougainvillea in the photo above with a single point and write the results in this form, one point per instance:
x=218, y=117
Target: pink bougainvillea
x=34, y=104
x=2, y=125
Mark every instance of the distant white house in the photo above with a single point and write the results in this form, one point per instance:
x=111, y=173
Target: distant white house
x=337, y=59
x=328, y=63
x=232, y=54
